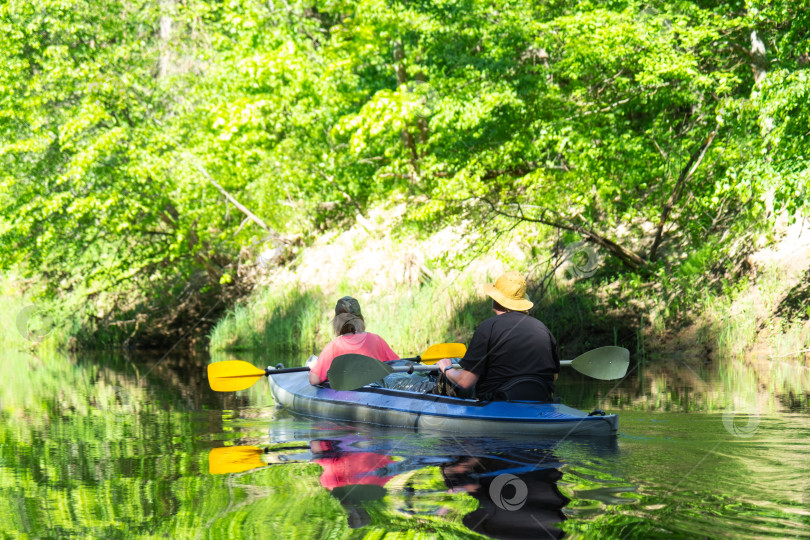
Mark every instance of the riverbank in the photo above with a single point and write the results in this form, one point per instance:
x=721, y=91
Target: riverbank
x=416, y=293
x=419, y=290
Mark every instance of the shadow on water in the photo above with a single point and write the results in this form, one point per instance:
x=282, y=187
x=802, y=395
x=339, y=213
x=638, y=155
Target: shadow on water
x=171, y=381
x=128, y=381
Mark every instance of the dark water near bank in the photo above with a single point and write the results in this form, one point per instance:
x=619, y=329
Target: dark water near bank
x=139, y=447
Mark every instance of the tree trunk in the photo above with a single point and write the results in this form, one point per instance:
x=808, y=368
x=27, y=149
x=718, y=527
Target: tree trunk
x=408, y=139
x=759, y=60
x=421, y=121
x=683, y=178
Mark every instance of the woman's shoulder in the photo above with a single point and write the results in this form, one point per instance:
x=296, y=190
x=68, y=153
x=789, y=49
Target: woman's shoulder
x=375, y=337
x=352, y=339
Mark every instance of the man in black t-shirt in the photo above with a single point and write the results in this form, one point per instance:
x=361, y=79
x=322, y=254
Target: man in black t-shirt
x=511, y=347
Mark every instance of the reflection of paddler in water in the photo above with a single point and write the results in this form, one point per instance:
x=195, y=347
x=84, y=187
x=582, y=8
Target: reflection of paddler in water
x=516, y=489
x=354, y=478
x=513, y=501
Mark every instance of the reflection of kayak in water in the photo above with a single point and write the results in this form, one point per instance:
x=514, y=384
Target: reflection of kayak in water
x=430, y=412
x=432, y=447
x=516, y=488
x=388, y=473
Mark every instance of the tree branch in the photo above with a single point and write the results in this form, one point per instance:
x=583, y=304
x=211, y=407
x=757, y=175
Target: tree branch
x=242, y=208
x=628, y=258
x=686, y=174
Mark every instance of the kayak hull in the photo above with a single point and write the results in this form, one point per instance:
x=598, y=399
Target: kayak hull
x=429, y=413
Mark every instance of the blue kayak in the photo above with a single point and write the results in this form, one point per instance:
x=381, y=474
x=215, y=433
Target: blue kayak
x=430, y=412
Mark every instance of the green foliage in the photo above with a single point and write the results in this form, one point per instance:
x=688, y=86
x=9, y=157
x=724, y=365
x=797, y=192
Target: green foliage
x=123, y=127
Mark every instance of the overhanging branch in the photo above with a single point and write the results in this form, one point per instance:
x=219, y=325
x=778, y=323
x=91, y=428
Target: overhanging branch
x=686, y=174
x=628, y=258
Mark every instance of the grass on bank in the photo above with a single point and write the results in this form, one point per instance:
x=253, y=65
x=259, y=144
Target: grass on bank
x=410, y=319
x=298, y=320
x=287, y=320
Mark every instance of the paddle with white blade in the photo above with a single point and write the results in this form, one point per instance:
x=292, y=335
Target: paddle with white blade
x=352, y=371
x=605, y=363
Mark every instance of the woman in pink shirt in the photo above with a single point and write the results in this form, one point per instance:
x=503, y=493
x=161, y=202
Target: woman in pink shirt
x=350, y=329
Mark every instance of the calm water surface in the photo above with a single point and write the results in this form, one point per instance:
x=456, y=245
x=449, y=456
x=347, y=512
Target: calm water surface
x=139, y=447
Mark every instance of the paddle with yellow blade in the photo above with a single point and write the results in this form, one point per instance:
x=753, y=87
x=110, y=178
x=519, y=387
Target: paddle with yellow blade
x=352, y=371
x=233, y=375
x=235, y=459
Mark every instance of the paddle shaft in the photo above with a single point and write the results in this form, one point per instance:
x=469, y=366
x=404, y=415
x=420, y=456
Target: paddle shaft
x=271, y=371
x=426, y=367
x=434, y=367
x=268, y=371
x=399, y=369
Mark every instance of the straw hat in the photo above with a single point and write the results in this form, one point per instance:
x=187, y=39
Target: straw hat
x=510, y=291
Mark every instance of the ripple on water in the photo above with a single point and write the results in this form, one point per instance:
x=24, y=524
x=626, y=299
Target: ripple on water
x=697, y=478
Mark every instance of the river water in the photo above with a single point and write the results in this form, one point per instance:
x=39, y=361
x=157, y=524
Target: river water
x=113, y=446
